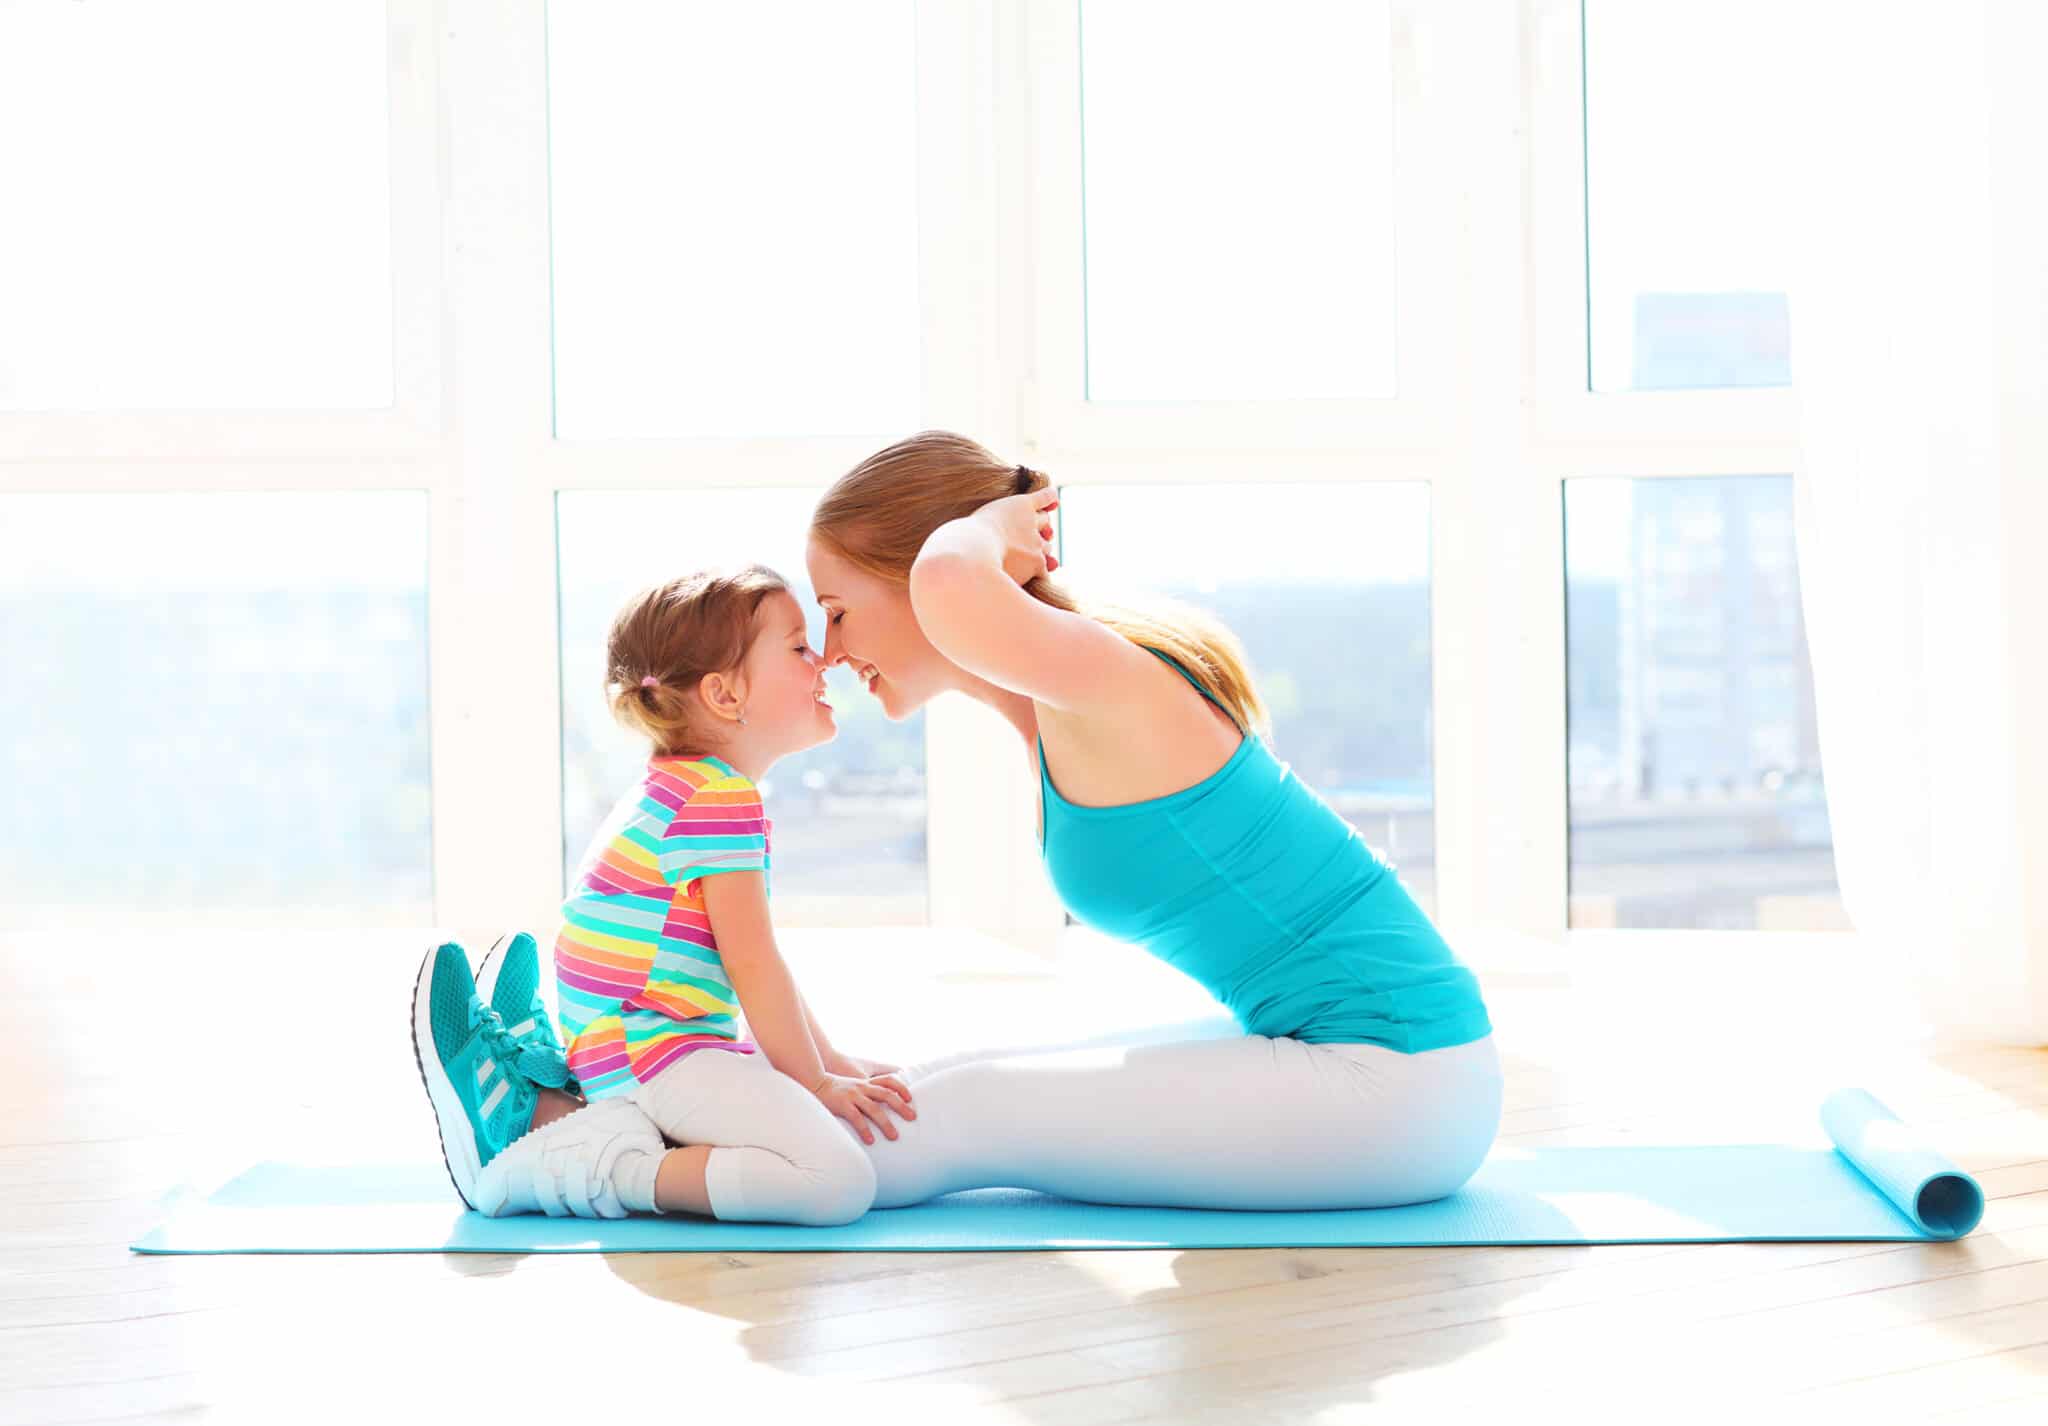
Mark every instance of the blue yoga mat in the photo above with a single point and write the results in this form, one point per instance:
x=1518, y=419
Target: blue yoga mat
x=1879, y=1183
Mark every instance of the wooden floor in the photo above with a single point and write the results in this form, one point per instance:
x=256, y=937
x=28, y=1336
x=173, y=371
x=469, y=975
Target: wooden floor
x=134, y=1063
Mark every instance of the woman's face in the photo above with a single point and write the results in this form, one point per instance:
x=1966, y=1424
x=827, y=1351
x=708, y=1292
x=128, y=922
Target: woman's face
x=869, y=625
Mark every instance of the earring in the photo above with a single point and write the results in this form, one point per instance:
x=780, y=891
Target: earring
x=743, y=717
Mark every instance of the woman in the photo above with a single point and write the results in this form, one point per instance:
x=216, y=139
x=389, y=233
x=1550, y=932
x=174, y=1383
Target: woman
x=1366, y=1074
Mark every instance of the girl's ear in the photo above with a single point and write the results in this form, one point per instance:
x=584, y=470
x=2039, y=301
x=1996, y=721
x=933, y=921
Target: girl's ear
x=716, y=692
x=723, y=693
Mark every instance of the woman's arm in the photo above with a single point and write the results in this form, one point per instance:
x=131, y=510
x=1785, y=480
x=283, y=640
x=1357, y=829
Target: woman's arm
x=967, y=591
x=737, y=902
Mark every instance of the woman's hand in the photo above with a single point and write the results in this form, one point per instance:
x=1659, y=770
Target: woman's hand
x=857, y=1100
x=1023, y=525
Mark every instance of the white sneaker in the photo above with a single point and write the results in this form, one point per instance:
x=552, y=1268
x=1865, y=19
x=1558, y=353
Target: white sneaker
x=569, y=1166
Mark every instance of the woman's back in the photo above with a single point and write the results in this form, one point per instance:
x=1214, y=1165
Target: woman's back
x=1159, y=742
x=1255, y=887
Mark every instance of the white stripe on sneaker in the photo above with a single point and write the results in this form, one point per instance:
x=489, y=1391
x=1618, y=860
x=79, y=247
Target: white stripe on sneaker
x=522, y=1028
x=483, y=1072
x=484, y=1109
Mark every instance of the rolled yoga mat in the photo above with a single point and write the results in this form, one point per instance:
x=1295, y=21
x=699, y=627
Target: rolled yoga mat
x=1879, y=1183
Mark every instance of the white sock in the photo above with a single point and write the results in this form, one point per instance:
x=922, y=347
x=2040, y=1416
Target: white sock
x=633, y=1180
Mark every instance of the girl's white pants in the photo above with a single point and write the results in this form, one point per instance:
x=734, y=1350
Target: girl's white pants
x=1197, y=1115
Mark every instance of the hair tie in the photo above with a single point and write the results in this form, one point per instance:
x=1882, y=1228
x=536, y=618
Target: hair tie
x=1023, y=479
x=650, y=682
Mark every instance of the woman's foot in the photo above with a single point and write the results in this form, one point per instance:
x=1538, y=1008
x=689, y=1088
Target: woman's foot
x=484, y=1098
x=508, y=980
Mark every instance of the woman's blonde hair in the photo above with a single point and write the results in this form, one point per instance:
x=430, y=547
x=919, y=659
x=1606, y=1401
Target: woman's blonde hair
x=675, y=634
x=878, y=515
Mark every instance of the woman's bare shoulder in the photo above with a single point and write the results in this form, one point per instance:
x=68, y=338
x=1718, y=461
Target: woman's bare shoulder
x=1152, y=737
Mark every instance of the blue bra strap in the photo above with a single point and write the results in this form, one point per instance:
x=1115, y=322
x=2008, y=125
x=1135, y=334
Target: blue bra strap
x=1045, y=778
x=1174, y=664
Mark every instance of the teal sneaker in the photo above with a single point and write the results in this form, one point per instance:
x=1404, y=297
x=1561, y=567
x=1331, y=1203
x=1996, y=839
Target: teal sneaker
x=509, y=982
x=481, y=1081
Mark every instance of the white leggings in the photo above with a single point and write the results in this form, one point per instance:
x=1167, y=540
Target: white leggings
x=1196, y=1115
x=780, y=1160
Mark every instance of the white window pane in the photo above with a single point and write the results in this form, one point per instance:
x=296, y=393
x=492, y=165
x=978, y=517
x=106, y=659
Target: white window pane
x=1687, y=110
x=1697, y=800
x=1238, y=193
x=198, y=212
x=1327, y=587
x=849, y=814
x=734, y=196
x=216, y=709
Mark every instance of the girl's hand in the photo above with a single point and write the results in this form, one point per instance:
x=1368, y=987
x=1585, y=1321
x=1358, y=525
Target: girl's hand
x=857, y=1100
x=859, y=1068
x=1023, y=524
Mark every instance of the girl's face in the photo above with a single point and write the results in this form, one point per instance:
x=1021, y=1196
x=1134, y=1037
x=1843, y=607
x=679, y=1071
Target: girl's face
x=869, y=626
x=786, y=678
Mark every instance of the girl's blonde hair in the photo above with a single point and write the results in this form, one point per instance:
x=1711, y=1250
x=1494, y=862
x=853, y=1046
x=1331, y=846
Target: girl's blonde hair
x=878, y=515
x=676, y=633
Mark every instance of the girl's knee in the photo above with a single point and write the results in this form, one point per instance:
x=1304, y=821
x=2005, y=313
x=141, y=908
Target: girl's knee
x=841, y=1190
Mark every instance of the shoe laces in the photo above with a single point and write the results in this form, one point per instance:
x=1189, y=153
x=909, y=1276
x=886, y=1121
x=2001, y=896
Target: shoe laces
x=536, y=1062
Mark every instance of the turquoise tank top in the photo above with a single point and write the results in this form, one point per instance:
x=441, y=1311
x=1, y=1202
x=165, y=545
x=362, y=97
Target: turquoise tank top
x=1254, y=886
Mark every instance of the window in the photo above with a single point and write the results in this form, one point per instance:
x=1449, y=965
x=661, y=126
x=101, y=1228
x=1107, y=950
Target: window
x=734, y=214
x=1238, y=186
x=216, y=710
x=1697, y=800
x=1320, y=267
x=198, y=206
x=1687, y=109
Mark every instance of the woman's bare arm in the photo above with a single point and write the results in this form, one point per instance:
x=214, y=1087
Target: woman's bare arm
x=979, y=616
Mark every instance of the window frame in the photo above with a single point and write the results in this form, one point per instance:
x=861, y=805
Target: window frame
x=1493, y=411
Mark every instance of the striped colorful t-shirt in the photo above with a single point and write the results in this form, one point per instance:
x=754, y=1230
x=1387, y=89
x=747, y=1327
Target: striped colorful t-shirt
x=636, y=966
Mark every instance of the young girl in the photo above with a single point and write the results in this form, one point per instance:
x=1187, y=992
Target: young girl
x=666, y=935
